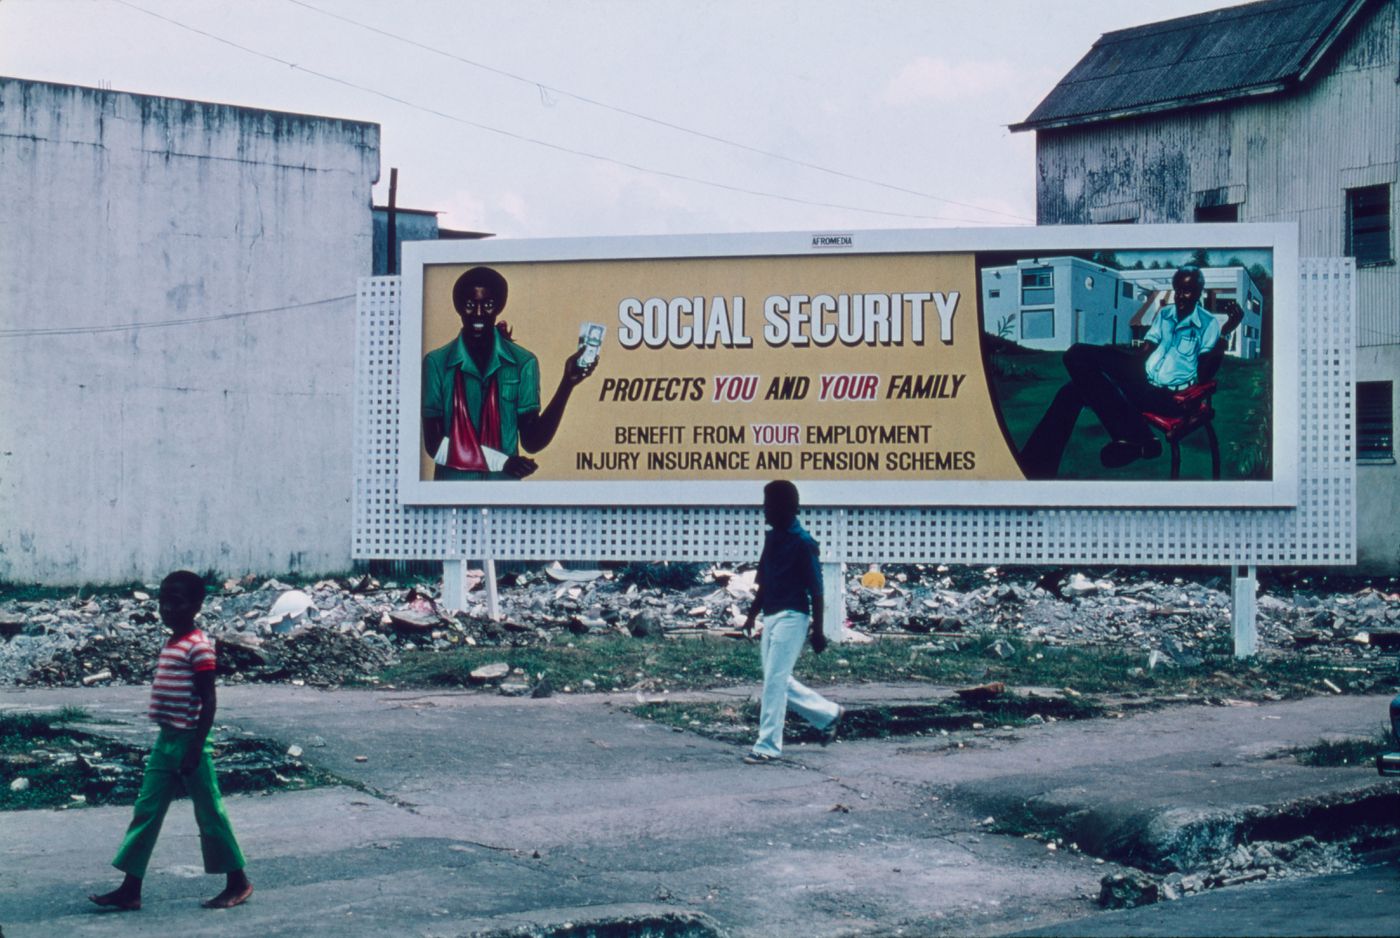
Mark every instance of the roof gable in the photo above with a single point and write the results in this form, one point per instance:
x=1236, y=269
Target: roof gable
x=1237, y=52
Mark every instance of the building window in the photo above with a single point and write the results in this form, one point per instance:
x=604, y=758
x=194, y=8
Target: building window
x=993, y=294
x=1038, y=324
x=1368, y=225
x=1037, y=286
x=1375, y=422
x=1217, y=213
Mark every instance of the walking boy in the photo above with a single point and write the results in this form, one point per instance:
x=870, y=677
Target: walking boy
x=182, y=703
x=790, y=597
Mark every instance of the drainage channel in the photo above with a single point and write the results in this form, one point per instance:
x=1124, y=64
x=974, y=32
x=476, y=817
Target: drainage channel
x=737, y=723
x=664, y=925
x=1168, y=857
x=50, y=764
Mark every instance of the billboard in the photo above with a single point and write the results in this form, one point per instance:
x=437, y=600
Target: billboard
x=1111, y=365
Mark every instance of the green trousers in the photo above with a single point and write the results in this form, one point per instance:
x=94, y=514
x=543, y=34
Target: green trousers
x=161, y=783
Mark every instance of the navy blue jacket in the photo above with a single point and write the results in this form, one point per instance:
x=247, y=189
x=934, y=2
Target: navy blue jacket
x=789, y=570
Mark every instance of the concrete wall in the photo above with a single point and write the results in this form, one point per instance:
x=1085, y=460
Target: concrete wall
x=219, y=443
x=409, y=226
x=1288, y=158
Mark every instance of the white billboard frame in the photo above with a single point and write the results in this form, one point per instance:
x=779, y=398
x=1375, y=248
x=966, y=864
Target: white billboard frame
x=1280, y=491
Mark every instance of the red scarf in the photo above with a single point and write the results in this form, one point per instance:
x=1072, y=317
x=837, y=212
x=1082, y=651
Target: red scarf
x=464, y=446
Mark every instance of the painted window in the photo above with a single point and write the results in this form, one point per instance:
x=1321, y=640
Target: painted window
x=1368, y=225
x=1037, y=286
x=1038, y=324
x=1375, y=422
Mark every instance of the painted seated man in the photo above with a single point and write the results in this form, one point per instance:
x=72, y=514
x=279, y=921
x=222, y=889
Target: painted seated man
x=481, y=391
x=1184, y=346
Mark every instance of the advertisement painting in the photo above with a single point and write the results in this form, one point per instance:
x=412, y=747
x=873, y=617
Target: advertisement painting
x=1025, y=366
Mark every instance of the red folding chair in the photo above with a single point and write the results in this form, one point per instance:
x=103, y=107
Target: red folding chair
x=1196, y=413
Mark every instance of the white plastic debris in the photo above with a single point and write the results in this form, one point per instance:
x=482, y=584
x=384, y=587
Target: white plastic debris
x=741, y=584
x=556, y=571
x=289, y=605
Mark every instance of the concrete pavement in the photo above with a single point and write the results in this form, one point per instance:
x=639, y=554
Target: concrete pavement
x=479, y=814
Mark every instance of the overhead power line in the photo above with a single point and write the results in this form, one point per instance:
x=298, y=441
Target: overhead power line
x=532, y=140
x=715, y=138
x=164, y=323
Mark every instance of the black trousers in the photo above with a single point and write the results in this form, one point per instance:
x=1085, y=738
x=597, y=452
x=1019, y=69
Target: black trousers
x=1112, y=382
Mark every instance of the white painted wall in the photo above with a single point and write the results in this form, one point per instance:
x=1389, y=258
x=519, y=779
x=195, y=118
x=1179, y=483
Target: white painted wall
x=215, y=445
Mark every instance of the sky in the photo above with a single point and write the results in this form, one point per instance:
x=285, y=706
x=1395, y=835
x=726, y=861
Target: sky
x=563, y=118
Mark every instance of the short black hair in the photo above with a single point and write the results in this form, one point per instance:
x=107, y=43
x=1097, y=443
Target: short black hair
x=494, y=283
x=1190, y=272
x=781, y=496
x=187, y=582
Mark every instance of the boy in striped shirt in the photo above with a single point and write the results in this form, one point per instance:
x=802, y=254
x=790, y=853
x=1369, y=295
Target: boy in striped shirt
x=183, y=705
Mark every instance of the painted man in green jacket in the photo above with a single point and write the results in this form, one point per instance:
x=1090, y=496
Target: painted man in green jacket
x=481, y=391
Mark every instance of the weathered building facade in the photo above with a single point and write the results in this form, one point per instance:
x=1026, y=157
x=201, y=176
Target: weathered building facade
x=177, y=298
x=1284, y=110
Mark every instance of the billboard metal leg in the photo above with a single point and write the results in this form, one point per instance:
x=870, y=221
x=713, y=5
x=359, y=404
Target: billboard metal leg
x=834, y=600
x=1243, y=583
x=454, y=585
x=493, y=597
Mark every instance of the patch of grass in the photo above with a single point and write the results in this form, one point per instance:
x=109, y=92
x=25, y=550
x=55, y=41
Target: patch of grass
x=57, y=762
x=663, y=576
x=1344, y=752
x=616, y=662
x=611, y=662
x=71, y=714
x=213, y=581
x=1240, y=404
x=36, y=592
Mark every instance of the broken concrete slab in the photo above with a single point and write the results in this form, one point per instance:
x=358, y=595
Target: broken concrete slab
x=495, y=671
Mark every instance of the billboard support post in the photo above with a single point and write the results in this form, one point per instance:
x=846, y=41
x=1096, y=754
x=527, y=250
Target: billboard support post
x=454, y=586
x=493, y=596
x=833, y=600
x=1243, y=583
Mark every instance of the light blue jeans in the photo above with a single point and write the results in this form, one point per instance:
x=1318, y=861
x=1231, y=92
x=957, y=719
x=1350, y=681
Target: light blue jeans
x=784, y=634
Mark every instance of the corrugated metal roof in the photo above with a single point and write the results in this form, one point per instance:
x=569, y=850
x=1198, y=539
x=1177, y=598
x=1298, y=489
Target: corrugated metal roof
x=1258, y=48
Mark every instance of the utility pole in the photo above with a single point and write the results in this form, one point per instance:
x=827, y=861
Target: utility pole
x=392, y=265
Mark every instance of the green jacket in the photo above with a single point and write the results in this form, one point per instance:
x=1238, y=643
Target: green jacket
x=517, y=374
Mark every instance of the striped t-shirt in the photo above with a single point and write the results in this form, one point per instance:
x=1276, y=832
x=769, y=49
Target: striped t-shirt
x=173, y=700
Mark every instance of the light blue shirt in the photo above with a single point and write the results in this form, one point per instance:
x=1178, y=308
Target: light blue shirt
x=1180, y=345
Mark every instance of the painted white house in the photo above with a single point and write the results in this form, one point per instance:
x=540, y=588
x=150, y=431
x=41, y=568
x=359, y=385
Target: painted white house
x=1233, y=284
x=1050, y=303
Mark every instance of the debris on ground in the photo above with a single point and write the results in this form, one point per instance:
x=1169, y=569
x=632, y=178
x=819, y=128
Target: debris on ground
x=335, y=630
x=1247, y=863
x=52, y=765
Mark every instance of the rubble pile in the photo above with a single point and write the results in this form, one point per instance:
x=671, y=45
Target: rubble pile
x=1171, y=616
x=339, y=630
